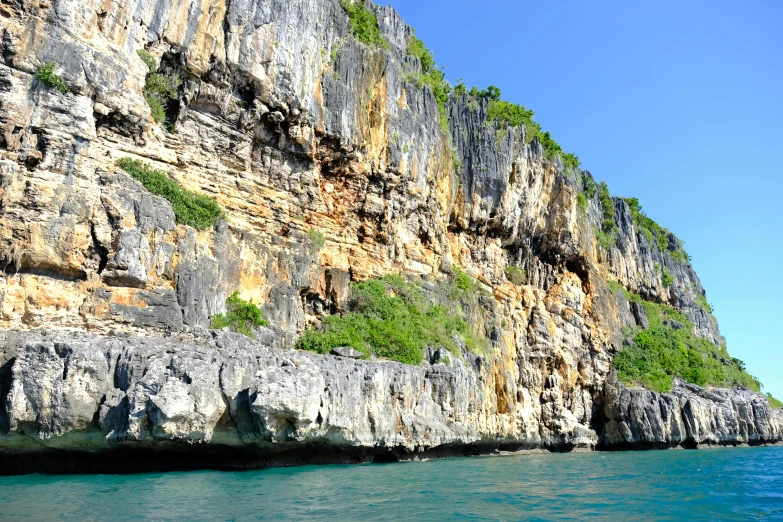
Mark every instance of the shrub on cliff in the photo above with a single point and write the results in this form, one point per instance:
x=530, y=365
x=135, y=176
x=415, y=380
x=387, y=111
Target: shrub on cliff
x=364, y=23
x=160, y=89
x=589, y=186
x=701, y=300
x=582, y=202
x=431, y=75
x=390, y=318
x=148, y=59
x=195, y=210
x=46, y=75
x=516, y=275
x=669, y=348
x=773, y=402
x=317, y=241
x=461, y=282
x=607, y=204
x=666, y=277
x=655, y=234
x=241, y=316
x=507, y=114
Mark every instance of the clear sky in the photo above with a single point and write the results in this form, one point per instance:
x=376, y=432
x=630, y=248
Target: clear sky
x=677, y=103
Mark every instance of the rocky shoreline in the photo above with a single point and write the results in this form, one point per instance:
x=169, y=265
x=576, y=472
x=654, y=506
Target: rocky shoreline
x=75, y=402
x=329, y=161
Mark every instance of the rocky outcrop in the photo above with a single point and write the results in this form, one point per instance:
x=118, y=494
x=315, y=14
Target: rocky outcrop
x=80, y=402
x=689, y=416
x=293, y=126
x=221, y=394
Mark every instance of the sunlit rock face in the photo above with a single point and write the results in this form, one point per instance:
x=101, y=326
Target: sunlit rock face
x=293, y=125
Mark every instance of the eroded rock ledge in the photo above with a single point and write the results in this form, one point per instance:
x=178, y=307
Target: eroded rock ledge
x=689, y=416
x=79, y=402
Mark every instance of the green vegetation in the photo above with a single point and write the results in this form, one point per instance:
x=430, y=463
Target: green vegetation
x=701, y=300
x=507, y=114
x=666, y=277
x=364, y=23
x=570, y=160
x=417, y=48
x=195, y=210
x=431, y=75
x=606, y=236
x=317, y=241
x=391, y=318
x=773, y=402
x=609, y=225
x=590, y=187
x=516, y=275
x=455, y=161
x=46, y=75
x=160, y=89
x=148, y=59
x=605, y=240
x=656, y=234
x=665, y=350
x=615, y=286
x=582, y=202
x=461, y=282
x=589, y=190
x=241, y=316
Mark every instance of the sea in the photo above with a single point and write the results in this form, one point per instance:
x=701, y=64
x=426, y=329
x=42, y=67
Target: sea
x=690, y=485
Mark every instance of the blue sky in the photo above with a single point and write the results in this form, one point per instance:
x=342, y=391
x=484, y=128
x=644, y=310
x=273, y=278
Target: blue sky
x=677, y=103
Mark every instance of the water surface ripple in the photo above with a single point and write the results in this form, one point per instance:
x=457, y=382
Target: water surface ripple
x=719, y=484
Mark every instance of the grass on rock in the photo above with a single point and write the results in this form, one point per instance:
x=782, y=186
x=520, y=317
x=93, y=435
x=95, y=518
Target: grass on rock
x=390, y=318
x=195, y=210
x=669, y=348
x=241, y=316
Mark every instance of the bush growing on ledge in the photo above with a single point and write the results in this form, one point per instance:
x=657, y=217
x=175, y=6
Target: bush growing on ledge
x=516, y=275
x=148, y=59
x=609, y=224
x=507, y=114
x=605, y=237
x=773, y=402
x=461, y=283
x=431, y=76
x=582, y=202
x=701, y=300
x=317, y=241
x=589, y=185
x=666, y=277
x=241, y=316
x=605, y=240
x=571, y=161
x=364, y=23
x=46, y=75
x=160, y=89
x=669, y=348
x=195, y=210
x=656, y=234
x=391, y=319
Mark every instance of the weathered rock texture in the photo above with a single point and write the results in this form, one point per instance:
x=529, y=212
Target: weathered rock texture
x=688, y=416
x=292, y=124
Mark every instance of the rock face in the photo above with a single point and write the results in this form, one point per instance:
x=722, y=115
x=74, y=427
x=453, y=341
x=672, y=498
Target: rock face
x=295, y=126
x=689, y=416
x=103, y=396
x=224, y=401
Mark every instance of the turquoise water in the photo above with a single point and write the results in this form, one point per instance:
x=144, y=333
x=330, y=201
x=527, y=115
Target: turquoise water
x=721, y=484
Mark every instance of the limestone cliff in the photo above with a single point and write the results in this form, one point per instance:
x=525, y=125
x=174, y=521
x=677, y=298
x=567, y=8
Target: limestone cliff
x=293, y=125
